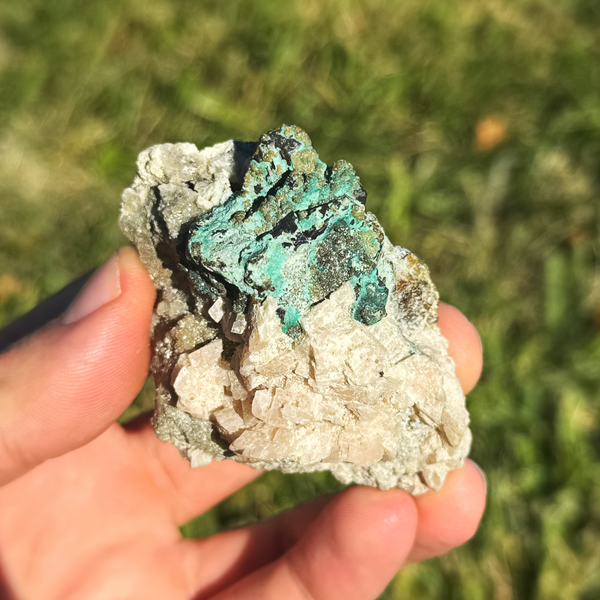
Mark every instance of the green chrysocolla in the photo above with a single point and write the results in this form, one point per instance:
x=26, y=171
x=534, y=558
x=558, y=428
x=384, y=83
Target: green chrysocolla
x=297, y=230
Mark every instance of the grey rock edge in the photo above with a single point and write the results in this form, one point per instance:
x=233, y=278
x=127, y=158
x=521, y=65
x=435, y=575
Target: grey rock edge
x=377, y=405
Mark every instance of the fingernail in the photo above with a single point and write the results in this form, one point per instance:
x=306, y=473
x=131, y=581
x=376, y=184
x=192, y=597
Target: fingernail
x=482, y=474
x=103, y=287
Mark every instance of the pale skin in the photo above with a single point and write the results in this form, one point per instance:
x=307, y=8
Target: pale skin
x=91, y=510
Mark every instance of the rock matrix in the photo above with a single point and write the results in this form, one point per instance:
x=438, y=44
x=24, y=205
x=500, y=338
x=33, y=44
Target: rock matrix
x=289, y=333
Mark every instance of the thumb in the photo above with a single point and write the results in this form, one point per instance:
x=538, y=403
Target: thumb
x=64, y=386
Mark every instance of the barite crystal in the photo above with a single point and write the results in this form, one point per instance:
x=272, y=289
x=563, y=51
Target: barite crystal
x=289, y=333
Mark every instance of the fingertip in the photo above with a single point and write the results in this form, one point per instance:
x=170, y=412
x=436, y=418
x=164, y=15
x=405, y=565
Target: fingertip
x=379, y=514
x=138, y=294
x=367, y=528
x=451, y=516
x=481, y=474
x=465, y=346
x=357, y=543
x=134, y=275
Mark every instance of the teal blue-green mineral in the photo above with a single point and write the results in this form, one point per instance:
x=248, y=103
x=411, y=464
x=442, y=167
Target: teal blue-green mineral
x=296, y=230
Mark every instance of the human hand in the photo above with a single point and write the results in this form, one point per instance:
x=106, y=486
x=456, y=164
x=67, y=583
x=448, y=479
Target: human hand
x=91, y=510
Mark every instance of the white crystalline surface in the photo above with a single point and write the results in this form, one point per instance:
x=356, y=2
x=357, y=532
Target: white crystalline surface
x=375, y=404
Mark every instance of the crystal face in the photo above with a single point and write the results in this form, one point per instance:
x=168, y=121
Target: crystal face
x=288, y=332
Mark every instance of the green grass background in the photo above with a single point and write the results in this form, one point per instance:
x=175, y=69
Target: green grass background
x=511, y=233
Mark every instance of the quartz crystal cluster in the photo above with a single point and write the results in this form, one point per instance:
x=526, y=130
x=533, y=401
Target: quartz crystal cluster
x=289, y=333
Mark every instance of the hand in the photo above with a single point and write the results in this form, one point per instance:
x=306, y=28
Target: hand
x=91, y=510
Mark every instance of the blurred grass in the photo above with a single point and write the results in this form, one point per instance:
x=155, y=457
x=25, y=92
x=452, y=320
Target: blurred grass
x=475, y=127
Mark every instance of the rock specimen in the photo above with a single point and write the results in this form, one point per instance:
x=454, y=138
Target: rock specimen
x=288, y=332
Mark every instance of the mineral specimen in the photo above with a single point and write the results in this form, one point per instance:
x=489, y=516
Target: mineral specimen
x=288, y=332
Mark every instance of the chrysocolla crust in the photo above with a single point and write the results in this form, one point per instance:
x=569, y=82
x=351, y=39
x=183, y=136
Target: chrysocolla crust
x=289, y=199
x=288, y=332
